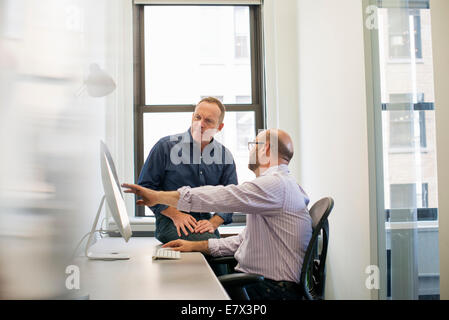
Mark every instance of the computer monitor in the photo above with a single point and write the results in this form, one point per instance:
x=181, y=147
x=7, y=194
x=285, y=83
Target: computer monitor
x=104, y=150
x=116, y=204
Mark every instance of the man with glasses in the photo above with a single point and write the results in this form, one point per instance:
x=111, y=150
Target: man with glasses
x=279, y=226
x=193, y=158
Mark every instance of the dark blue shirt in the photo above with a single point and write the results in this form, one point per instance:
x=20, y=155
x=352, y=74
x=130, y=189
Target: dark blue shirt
x=176, y=161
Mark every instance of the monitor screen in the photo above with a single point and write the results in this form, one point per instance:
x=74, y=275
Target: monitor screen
x=105, y=150
x=114, y=196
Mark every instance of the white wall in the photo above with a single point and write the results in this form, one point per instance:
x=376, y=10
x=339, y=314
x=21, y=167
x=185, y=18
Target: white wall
x=440, y=27
x=316, y=91
x=281, y=62
x=333, y=124
x=106, y=27
x=120, y=105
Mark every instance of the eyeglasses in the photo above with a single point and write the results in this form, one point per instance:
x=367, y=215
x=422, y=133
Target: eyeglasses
x=251, y=143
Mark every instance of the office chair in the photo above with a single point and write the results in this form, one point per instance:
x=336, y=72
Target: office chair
x=313, y=273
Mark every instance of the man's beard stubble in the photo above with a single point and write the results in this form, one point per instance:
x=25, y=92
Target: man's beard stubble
x=253, y=165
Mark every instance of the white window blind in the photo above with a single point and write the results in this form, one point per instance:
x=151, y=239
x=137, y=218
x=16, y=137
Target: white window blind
x=200, y=2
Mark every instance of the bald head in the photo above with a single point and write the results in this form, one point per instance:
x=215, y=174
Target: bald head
x=284, y=143
x=272, y=147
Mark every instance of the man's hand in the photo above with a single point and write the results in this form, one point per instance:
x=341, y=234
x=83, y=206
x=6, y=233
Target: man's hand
x=180, y=220
x=209, y=225
x=149, y=197
x=204, y=226
x=188, y=246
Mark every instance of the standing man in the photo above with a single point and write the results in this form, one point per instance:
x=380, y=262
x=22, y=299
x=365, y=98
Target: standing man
x=193, y=158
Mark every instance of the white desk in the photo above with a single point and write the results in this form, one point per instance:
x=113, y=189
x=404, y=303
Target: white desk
x=141, y=277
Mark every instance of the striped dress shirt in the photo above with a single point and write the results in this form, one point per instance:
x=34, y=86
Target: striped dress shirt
x=278, y=226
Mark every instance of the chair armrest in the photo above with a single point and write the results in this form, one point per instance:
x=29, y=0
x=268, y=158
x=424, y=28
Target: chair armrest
x=223, y=260
x=222, y=265
x=239, y=279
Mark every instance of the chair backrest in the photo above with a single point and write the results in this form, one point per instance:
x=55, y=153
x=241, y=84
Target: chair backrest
x=313, y=273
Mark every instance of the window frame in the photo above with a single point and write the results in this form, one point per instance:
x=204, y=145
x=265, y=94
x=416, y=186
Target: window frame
x=140, y=108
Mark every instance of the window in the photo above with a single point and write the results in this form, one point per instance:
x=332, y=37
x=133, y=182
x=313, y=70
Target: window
x=402, y=129
x=396, y=98
x=407, y=121
x=399, y=25
x=219, y=97
x=241, y=32
x=406, y=195
x=186, y=53
x=404, y=122
x=242, y=99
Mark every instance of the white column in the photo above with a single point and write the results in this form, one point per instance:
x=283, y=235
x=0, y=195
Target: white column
x=440, y=27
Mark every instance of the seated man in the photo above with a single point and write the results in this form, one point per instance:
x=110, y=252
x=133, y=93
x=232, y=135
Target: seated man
x=279, y=226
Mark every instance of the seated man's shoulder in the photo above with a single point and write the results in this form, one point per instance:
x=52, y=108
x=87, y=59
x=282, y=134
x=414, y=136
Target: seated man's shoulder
x=273, y=180
x=280, y=180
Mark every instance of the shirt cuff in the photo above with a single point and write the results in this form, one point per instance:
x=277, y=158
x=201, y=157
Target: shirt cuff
x=227, y=217
x=158, y=208
x=214, y=247
x=185, y=199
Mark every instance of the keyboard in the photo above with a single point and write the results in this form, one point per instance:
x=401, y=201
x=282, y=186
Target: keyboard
x=166, y=254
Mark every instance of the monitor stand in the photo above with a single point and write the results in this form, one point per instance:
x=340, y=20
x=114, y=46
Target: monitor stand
x=102, y=256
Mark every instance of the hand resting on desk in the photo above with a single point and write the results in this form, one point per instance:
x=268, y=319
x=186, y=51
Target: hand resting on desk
x=188, y=246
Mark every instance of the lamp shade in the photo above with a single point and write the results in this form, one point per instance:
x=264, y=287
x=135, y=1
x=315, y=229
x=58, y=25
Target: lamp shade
x=99, y=83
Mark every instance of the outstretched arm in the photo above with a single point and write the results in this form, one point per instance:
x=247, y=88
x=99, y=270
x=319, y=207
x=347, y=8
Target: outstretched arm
x=151, y=197
x=264, y=195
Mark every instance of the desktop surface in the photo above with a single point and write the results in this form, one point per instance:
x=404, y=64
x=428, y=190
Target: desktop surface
x=141, y=277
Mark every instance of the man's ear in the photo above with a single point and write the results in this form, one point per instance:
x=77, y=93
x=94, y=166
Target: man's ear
x=267, y=148
x=220, y=126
